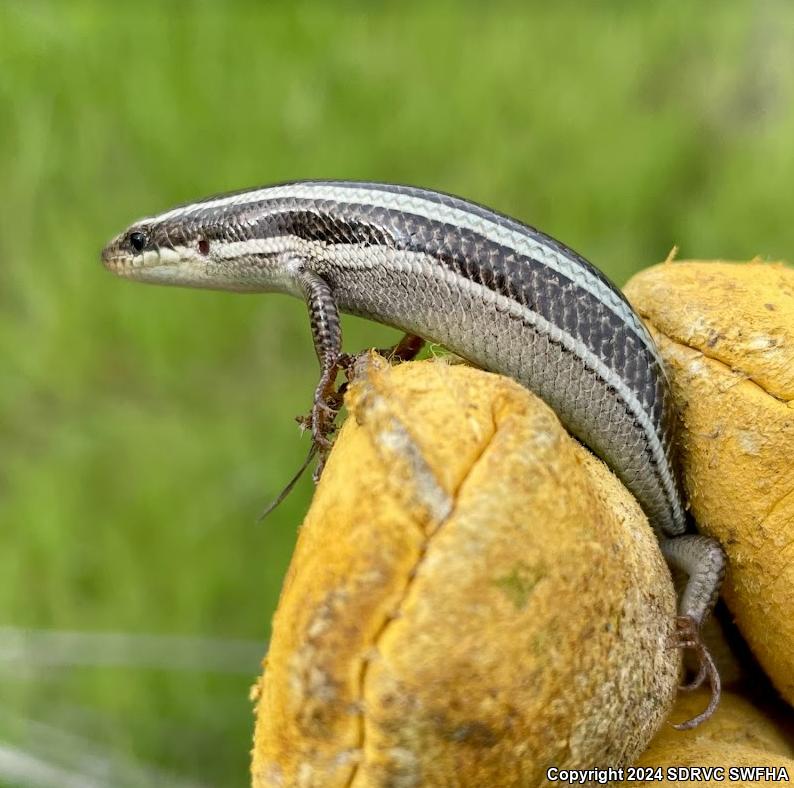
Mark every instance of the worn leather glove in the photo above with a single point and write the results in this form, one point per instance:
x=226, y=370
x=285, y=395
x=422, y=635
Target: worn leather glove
x=474, y=598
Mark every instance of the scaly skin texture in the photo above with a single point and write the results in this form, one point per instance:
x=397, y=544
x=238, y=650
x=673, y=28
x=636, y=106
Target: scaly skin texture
x=496, y=292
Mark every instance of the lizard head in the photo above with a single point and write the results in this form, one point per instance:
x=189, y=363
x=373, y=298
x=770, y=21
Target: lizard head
x=160, y=252
x=191, y=247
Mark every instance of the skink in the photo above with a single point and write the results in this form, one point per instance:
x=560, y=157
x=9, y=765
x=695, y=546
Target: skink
x=496, y=292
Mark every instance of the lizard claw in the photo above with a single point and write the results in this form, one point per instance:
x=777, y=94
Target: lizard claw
x=687, y=636
x=700, y=677
x=290, y=484
x=328, y=401
x=320, y=420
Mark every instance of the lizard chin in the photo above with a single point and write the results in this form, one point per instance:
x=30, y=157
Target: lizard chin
x=163, y=266
x=184, y=274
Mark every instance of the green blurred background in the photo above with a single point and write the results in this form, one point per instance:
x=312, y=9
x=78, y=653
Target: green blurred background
x=143, y=429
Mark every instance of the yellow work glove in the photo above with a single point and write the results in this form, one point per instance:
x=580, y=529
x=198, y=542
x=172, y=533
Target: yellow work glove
x=475, y=599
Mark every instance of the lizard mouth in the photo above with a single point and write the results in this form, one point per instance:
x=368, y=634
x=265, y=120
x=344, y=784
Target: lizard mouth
x=159, y=265
x=122, y=262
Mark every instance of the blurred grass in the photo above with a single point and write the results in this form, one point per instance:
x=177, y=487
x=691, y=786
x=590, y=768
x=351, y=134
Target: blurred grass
x=142, y=429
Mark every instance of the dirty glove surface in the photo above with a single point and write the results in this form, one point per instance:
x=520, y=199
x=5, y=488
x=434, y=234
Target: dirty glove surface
x=473, y=597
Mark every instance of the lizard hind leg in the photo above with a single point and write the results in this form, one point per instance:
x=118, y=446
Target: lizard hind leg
x=687, y=636
x=703, y=561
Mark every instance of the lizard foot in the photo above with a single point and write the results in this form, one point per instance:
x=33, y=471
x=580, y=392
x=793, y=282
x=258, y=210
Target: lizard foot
x=687, y=636
x=321, y=420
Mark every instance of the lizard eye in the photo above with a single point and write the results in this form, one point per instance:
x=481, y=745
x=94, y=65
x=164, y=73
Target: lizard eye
x=137, y=241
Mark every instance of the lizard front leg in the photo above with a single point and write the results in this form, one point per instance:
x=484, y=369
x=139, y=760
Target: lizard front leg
x=327, y=335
